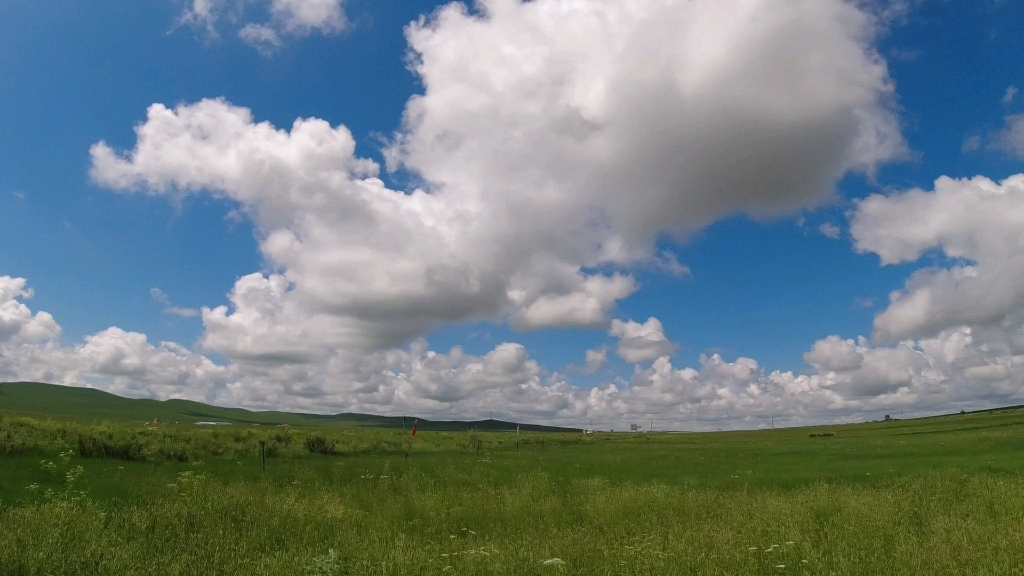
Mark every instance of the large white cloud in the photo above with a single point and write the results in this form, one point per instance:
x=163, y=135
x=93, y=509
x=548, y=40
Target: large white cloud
x=977, y=224
x=553, y=138
x=555, y=142
x=627, y=120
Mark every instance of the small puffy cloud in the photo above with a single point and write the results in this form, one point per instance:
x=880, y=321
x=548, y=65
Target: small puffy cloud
x=830, y=230
x=596, y=361
x=261, y=37
x=1010, y=139
x=971, y=144
x=182, y=312
x=834, y=354
x=865, y=303
x=640, y=343
x=286, y=17
x=169, y=308
x=304, y=16
x=202, y=13
x=160, y=296
x=1011, y=91
x=903, y=55
x=17, y=323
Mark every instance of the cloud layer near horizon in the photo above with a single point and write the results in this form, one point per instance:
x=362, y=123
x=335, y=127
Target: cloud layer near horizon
x=963, y=367
x=555, y=143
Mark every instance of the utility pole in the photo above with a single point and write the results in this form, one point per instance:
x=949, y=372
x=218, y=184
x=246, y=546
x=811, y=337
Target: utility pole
x=901, y=411
x=773, y=421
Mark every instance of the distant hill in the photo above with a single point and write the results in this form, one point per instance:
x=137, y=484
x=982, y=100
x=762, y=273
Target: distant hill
x=66, y=402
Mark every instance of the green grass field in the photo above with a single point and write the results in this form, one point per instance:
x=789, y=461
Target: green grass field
x=91, y=405
x=931, y=496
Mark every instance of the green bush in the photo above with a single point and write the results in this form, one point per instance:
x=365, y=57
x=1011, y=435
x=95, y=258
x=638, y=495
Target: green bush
x=107, y=446
x=11, y=445
x=319, y=444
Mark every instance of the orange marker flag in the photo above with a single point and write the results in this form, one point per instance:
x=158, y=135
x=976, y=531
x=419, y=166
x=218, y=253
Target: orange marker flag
x=415, y=427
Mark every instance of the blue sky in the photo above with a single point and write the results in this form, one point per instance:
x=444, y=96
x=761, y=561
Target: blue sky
x=93, y=248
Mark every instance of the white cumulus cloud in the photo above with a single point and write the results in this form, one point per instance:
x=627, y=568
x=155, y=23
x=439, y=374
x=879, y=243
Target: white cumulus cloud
x=639, y=343
x=976, y=223
x=556, y=142
x=17, y=323
x=959, y=367
x=553, y=138
x=834, y=354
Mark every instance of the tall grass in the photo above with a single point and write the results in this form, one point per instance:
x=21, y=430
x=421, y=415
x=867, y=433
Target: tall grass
x=945, y=497
x=451, y=521
x=185, y=443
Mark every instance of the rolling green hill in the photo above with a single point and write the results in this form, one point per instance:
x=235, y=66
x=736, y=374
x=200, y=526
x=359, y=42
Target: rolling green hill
x=66, y=402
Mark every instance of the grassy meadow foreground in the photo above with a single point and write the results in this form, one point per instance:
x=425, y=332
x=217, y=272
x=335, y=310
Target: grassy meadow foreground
x=933, y=496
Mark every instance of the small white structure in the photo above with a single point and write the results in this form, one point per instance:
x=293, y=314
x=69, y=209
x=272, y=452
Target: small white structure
x=213, y=423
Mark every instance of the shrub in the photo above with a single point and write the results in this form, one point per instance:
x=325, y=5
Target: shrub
x=90, y=446
x=11, y=445
x=319, y=444
x=176, y=452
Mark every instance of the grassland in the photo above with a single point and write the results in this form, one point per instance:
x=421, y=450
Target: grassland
x=91, y=405
x=935, y=496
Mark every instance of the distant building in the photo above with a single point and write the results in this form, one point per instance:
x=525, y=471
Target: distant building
x=213, y=423
x=888, y=418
